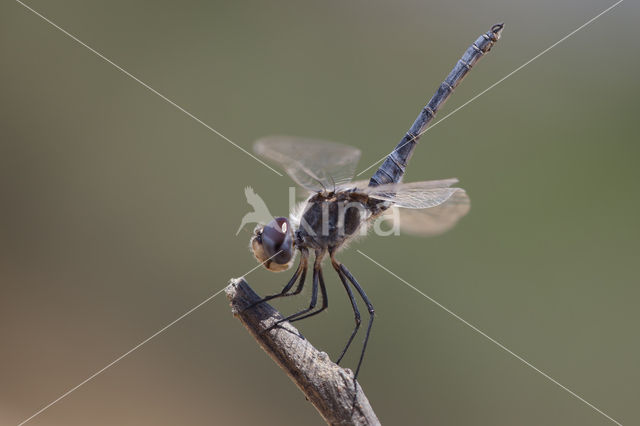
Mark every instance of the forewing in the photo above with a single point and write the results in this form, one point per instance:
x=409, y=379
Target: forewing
x=312, y=164
x=358, y=185
x=415, y=195
x=431, y=221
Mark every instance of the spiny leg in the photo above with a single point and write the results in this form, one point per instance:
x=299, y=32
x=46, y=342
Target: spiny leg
x=364, y=297
x=325, y=299
x=314, y=294
x=301, y=272
x=354, y=305
x=286, y=288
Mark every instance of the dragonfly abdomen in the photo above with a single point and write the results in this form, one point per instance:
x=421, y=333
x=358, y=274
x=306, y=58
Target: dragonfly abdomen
x=393, y=168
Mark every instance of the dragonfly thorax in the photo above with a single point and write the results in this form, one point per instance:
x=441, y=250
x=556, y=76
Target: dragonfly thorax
x=329, y=219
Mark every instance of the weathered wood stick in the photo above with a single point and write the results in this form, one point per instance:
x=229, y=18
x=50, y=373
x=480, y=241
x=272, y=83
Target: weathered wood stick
x=329, y=387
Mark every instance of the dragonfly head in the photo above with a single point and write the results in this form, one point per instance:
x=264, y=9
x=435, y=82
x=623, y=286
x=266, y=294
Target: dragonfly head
x=272, y=244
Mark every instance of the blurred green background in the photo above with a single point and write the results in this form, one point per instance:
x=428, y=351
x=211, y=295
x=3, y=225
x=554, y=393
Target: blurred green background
x=118, y=211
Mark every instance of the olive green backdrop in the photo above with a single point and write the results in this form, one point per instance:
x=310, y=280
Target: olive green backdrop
x=118, y=211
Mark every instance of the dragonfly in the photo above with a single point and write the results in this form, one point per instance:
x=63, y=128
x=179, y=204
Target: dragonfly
x=338, y=210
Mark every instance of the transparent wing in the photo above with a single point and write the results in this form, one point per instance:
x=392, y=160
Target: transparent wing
x=312, y=164
x=431, y=221
x=358, y=185
x=415, y=195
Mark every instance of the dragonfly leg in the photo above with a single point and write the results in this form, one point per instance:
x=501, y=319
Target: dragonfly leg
x=364, y=297
x=301, y=272
x=314, y=295
x=354, y=305
x=325, y=299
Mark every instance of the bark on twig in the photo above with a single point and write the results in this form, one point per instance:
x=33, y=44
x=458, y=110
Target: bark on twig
x=329, y=387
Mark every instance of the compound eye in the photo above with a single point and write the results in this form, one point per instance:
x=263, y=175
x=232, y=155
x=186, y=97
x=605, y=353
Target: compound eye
x=277, y=237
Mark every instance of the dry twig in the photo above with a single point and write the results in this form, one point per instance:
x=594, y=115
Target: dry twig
x=329, y=387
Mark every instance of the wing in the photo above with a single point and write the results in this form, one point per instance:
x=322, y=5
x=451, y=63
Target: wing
x=431, y=221
x=312, y=164
x=358, y=185
x=414, y=195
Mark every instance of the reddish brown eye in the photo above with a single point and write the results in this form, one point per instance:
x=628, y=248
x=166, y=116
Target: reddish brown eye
x=277, y=240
